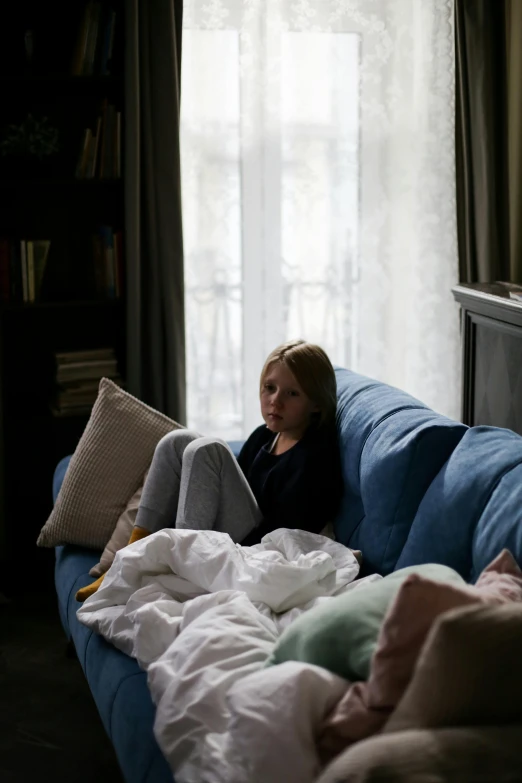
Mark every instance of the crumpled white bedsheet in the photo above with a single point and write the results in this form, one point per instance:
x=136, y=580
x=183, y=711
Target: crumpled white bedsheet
x=201, y=614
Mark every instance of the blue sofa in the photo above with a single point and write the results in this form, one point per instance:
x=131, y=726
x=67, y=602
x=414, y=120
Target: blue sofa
x=419, y=488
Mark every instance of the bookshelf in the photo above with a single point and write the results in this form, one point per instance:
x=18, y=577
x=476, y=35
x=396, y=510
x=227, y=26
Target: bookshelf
x=62, y=267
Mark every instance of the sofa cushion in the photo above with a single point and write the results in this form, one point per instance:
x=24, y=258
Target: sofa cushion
x=392, y=447
x=236, y=446
x=473, y=508
x=500, y=524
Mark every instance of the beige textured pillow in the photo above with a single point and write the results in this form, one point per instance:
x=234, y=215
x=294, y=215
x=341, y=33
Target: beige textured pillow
x=106, y=469
x=366, y=706
x=479, y=754
x=122, y=533
x=468, y=673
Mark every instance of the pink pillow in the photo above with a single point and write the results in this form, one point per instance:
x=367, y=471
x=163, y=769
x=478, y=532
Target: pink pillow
x=502, y=579
x=366, y=706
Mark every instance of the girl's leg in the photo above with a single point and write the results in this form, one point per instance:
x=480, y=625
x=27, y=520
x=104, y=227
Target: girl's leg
x=214, y=493
x=159, y=501
x=194, y=483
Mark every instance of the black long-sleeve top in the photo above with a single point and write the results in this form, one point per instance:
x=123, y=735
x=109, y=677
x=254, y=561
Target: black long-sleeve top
x=300, y=488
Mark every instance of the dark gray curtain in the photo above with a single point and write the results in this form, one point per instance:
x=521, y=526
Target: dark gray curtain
x=481, y=141
x=153, y=225
x=488, y=139
x=514, y=100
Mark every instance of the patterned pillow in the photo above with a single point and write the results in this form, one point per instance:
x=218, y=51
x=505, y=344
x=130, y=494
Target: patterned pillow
x=106, y=469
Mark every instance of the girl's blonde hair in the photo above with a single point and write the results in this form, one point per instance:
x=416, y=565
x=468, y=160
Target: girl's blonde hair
x=312, y=370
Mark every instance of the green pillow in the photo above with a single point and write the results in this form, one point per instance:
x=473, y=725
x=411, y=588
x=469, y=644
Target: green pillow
x=340, y=634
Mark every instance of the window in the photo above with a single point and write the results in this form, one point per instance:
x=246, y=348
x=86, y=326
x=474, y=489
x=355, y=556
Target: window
x=295, y=117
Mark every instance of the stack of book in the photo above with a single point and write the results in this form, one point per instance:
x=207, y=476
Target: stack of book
x=78, y=376
x=108, y=262
x=95, y=42
x=22, y=267
x=100, y=151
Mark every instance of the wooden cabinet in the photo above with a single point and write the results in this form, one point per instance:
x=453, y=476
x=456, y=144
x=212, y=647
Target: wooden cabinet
x=491, y=324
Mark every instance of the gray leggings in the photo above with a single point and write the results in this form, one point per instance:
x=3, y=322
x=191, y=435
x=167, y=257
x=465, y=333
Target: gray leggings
x=195, y=483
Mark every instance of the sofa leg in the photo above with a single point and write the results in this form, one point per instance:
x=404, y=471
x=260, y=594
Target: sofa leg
x=70, y=650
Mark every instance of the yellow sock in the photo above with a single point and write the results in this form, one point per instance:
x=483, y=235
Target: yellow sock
x=85, y=592
x=137, y=534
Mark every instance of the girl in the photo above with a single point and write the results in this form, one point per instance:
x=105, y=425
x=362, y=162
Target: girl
x=288, y=473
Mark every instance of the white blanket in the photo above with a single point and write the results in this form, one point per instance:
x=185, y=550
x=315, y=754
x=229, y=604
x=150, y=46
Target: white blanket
x=201, y=614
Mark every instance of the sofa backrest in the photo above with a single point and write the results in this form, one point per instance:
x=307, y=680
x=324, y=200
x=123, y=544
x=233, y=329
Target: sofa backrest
x=392, y=447
x=473, y=508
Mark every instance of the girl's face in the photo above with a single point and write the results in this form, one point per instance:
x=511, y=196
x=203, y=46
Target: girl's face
x=284, y=405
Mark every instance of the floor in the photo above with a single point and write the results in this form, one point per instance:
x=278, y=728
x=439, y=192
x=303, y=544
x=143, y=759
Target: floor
x=49, y=725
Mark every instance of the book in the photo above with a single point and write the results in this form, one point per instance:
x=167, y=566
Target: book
x=117, y=145
x=81, y=166
x=107, y=250
x=119, y=269
x=100, y=150
x=92, y=42
x=37, y=251
x=80, y=50
x=78, y=379
x=5, y=271
x=30, y=271
x=82, y=393
x=93, y=354
x=41, y=248
x=23, y=264
x=95, y=41
x=15, y=272
x=93, y=164
x=84, y=370
x=108, y=44
x=109, y=276
x=84, y=410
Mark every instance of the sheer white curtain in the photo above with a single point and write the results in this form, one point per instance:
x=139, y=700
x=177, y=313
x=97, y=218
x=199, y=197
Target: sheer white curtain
x=317, y=149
